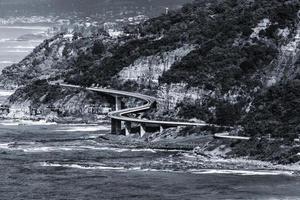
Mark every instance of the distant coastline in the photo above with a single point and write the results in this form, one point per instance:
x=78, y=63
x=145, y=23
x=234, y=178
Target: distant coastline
x=17, y=41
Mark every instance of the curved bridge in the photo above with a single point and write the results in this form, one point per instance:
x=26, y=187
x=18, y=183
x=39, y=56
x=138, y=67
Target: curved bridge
x=120, y=115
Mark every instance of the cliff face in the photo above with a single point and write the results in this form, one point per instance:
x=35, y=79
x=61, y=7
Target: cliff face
x=42, y=101
x=147, y=70
x=286, y=66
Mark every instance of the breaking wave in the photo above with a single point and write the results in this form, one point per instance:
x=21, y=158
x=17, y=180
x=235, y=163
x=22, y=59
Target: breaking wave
x=243, y=172
x=26, y=27
x=99, y=166
x=83, y=129
x=6, y=62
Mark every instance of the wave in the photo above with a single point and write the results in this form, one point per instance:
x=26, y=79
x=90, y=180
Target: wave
x=6, y=93
x=4, y=145
x=79, y=166
x=20, y=47
x=45, y=149
x=114, y=149
x=40, y=149
x=99, y=166
x=37, y=123
x=119, y=150
x=14, y=145
x=25, y=122
x=5, y=39
x=44, y=28
x=18, y=51
x=84, y=129
x=242, y=172
x=9, y=123
x=6, y=62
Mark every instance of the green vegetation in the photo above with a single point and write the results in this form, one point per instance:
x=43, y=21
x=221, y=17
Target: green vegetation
x=276, y=112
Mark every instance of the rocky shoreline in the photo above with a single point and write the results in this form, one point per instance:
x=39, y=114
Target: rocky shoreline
x=195, y=153
x=180, y=143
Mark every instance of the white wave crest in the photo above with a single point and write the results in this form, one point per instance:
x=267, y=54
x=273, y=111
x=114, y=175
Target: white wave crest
x=78, y=166
x=6, y=62
x=242, y=172
x=99, y=166
x=24, y=122
x=18, y=51
x=84, y=129
x=4, y=146
x=44, y=149
x=26, y=27
x=6, y=92
x=20, y=47
x=4, y=39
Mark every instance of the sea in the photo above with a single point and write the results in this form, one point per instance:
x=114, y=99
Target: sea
x=17, y=41
x=40, y=160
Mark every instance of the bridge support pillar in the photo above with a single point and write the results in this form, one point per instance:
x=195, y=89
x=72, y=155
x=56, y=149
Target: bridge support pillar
x=161, y=128
x=127, y=128
x=142, y=130
x=118, y=103
x=178, y=128
x=116, y=127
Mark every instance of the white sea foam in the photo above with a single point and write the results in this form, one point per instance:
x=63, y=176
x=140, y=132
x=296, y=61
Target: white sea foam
x=4, y=146
x=4, y=39
x=18, y=51
x=44, y=149
x=37, y=123
x=119, y=150
x=78, y=166
x=144, y=150
x=84, y=129
x=40, y=149
x=99, y=166
x=242, y=172
x=9, y=123
x=26, y=27
x=25, y=122
x=6, y=62
x=6, y=92
x=20, y=47
x=14, y=146
x=30, y=148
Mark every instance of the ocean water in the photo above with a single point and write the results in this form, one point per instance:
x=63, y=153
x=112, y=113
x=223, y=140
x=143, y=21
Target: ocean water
x=52, y=161
x=14, y=46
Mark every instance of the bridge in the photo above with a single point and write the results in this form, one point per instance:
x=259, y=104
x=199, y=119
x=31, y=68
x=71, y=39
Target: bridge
x=120, y=115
